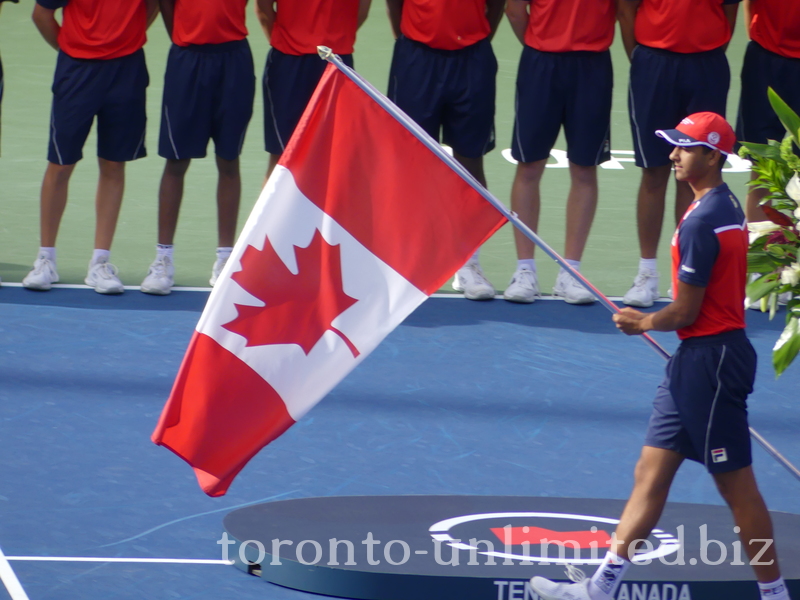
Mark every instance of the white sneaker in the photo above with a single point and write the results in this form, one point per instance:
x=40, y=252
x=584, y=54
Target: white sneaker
x=567, y=287
x=523, y=286
x=550, y=590
x=216, y=270
x=644, y=291
x=43, y=275
x=472, y=282
x=103, y=278
x=159, y=280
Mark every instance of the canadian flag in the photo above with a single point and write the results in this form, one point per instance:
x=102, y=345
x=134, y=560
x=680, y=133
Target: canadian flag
x=357, y=225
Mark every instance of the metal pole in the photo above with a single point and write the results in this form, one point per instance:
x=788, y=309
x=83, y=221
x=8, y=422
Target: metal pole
x=433, y=146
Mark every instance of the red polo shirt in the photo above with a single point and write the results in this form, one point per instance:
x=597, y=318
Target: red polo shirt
x=684, y=26
x=775, y=25
x=302, y=26
x=571, y=25
x=445, y=24
x=208, y=21
x=100, y=29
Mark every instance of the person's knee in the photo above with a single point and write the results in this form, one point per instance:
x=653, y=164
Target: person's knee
x=228, y=169
x=582, y=176
x=531, y=172
x=656, y=178
x=176, y=168
x=737, y=487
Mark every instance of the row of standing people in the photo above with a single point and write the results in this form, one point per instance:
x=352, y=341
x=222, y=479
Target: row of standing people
x=443, y=75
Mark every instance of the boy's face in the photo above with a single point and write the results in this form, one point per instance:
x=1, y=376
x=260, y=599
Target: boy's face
x=693, y=163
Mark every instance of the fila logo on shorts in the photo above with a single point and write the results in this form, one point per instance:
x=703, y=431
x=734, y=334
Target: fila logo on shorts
x=719, y=455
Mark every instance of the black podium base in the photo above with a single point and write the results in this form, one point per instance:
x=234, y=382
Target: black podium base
x=487, y=548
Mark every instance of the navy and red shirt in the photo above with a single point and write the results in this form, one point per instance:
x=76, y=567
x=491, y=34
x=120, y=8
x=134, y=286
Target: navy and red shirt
x=684, y=26
x=445, y=24
x=709, y=249
x=775, y=25
x=571, y=25
x=100, y=29
x=198, y=22
x=302, y=26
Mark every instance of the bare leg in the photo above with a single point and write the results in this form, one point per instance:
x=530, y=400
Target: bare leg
x=750, y=514
x=110, y=189
x=683, y=198
x=273, y=161
x=652, y=479
x=170, y=194
x=650, y=208
x=229, y=192
x=53, y=201
x=581, y=206
x=474, y=166
x=753, y=208
x=526, y=202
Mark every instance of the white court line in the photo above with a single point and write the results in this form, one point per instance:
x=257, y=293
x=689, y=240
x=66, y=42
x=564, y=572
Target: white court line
x=102, y=559
x=9, y=579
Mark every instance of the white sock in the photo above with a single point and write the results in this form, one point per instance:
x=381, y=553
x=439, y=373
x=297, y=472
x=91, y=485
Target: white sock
x=774, y=591
x=48, y=253
x=575, y=264
x=648, y=264
x=608, y=576
x=164, y=250
x=527, y=263
x=100, y=256
x=224, y=252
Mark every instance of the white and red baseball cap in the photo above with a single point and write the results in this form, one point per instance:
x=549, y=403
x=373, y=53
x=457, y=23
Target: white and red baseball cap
x=702, y=129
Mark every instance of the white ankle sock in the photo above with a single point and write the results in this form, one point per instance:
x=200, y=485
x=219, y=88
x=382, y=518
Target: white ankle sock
x=49, y=253
x=774, y=591
x=164, y=250
x=224, y=252
x=528, y=263
x=608, y=576
x=648, y=264
x=575, y=264
x=100, y=256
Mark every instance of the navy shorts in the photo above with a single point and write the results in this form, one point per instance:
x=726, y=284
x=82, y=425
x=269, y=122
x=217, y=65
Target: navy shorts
x=288, y=84
x=208, y=94
x=667, y=86
x=757, y=122
x=700, y=409
x=112, y=90
x=579, y=88
x=448, y=90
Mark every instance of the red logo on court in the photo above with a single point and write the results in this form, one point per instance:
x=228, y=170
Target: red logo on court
x=535, y=536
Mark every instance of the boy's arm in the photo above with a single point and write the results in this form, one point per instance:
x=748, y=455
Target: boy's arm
x=45, y=21
x=168, y=14
x=748, y=15
x=731, y=10
x=152, y=11
x=265, y=11
x=682, y=312
x=395, y=10
x=626, y=15
x=518, y=13
x=494, y=14
x=363, y=11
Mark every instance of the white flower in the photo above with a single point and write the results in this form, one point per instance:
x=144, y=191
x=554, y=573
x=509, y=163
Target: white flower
x=793, y=188
x=797, y=213
x=759, y=228
x=791, y=275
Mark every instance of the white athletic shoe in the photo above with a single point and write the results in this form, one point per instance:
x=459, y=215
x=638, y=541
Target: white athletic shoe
x=567, y=287
x=219, y=264
x=523, y=287
x=644, y=291
x=103, y=278
x=159, y=280
x=43, y=275
x=472, y=282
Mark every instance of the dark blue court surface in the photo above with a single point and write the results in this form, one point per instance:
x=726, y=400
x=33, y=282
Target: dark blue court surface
x=463, y=398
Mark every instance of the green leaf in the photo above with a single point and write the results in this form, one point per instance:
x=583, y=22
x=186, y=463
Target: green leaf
x=760, y=263
x=787, y=346
x=762, y=286
x=769, y=151
x=786, y=115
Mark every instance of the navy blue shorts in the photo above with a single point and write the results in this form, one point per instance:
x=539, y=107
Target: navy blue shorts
x=667, y=86
x=579, y=89
x=448, y=90
x=112, y=90
x=288, y=84
x=700, y=409
x=208, y=94
x=757, y=122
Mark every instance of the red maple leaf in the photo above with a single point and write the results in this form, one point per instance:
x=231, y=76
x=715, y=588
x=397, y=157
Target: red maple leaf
x=299, y=308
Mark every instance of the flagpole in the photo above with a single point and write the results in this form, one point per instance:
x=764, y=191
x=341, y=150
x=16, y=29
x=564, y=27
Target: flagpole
x=417, y=131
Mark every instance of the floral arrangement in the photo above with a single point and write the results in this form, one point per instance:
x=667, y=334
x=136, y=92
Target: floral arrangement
x=775, y=244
